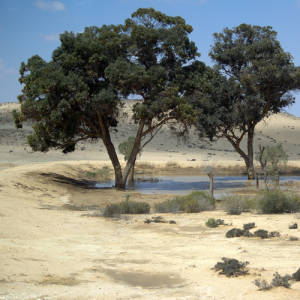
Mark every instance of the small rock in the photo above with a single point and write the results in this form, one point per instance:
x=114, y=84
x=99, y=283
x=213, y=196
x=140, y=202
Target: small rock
x=172, y=222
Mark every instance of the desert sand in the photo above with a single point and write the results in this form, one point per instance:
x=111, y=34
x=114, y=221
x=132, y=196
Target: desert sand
x=55, y=245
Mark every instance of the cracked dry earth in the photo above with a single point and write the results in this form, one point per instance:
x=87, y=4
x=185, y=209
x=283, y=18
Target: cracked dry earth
x=53, y=247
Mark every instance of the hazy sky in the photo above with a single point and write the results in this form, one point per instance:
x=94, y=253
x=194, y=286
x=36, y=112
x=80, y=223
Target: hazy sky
x=29, y=27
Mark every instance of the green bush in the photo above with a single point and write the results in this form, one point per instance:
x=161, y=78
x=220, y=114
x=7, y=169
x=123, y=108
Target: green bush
x=231, y=267
x=112, y=210
x=192, y=203
x=167, y=206
x=212, y=223
x=235, y=205
x=276, y=202
x=126, y=207
x=132, y=207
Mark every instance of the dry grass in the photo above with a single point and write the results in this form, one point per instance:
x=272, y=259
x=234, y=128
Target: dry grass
x=57, y=280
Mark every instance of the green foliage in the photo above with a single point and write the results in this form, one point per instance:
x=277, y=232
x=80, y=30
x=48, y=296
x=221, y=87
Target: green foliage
x=276, y=202
x=234, y=232
x=194, y=202
x=126, y=207
x=77, y=94
x=212, y=223
x=235, y=205
x=231, y=267
x=272, y=158
x=251, y=79
x=126, y=147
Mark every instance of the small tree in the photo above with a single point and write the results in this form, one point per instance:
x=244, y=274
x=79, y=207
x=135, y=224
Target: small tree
x=271, y=159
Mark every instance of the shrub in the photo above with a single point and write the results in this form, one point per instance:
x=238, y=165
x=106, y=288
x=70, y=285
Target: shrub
x=132, y=207
x=277, y=280
x=296, y=275
x=192, y=203
x=264, y=234
x=276, y=202
x=293, y=226
x=126, y=207
x=212, y=223
x=167, y=206
x=231, y=267
x=262, y=284
x=234, y=232
x=249, y=226
x=235, y=205
x=112, y=210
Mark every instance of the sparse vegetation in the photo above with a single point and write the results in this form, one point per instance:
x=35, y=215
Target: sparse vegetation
x=192, y=203
x=234, y=232
x=235, y=205
x=126, y=207
x=296, y=275
x=231, y=267
x=277, y=280
x=249, y=226
x=212, y=223
x=276, y=202
x=99, y=174
x=264, y=234
x=158, y=219
x=293, y=226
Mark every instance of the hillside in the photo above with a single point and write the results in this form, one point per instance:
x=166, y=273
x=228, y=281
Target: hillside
x=165, y=147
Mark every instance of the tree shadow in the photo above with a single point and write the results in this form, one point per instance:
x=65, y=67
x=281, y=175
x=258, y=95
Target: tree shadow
x=79, y=183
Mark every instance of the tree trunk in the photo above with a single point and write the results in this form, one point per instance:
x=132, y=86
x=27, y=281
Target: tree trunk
x=250, y=166
x=277, y=179
x=119, y=180
x=265, y=180
x=135, y=150
x=211, y=185
x=131, y=175
x=120, y=183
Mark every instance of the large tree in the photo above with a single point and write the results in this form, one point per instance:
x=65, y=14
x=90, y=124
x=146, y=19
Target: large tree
x=252, y=78
x=77, y=94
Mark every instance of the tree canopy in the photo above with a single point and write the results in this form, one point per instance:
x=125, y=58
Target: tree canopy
x=252, y=78
x=77, y=94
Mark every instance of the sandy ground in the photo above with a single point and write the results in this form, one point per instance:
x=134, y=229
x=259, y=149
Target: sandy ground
x=53, y=245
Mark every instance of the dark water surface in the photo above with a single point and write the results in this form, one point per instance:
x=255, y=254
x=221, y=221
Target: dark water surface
x=186, y=184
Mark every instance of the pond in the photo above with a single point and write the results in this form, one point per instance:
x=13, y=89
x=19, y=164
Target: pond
x=187, y=184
